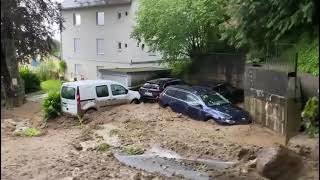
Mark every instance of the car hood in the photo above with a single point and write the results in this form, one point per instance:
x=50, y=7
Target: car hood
x=235, y=112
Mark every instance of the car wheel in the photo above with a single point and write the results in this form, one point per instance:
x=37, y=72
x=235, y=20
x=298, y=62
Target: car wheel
x=135, y=101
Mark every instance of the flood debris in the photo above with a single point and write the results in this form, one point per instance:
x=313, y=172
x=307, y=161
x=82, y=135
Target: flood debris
x=171, y=164
x=278, y=162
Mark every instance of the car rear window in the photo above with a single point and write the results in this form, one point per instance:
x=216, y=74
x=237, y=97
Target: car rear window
x=151, y=86
x=68, y=92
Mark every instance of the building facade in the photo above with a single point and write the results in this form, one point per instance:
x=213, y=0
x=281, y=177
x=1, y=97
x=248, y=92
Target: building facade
x=96, y=36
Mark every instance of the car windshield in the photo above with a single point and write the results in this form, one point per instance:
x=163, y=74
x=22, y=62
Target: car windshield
x=214, y=99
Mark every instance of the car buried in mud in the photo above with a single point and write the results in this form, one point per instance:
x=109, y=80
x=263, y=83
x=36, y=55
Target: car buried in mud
x=202, y=103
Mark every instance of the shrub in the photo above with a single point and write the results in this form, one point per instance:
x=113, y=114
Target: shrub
x=62, y=66
x=310, y=116
x=51, y=105
x=31, y=80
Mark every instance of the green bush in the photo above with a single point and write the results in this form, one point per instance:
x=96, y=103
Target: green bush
x=51, y=105
x=310, y=116
x=308, y=56
x=31, y=80
x=62, y=66
x=134, y=150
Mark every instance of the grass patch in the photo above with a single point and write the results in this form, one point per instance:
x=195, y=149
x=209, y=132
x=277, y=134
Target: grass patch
x=51, y=85
x=29, y=132
x=134, y=150
x=103, y=147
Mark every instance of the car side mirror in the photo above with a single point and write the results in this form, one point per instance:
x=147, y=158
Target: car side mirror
x=127, y=91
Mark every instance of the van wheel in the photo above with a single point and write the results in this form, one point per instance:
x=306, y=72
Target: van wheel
x=89, y=111
x=135, y=101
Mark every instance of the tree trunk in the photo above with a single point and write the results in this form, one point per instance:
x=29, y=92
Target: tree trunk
x=13, y=85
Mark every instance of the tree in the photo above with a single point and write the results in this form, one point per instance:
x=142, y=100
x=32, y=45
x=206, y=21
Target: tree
x=180, y=28
x=256, y=24
x=25, y=32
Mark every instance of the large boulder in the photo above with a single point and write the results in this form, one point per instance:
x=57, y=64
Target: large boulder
x=278, y=162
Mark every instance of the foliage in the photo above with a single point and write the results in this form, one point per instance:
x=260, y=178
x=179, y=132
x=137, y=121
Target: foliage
x=29, y=24
x=29, y=132
x=308, y=56
x=310, y=116
x=103, y=147
x=256, y=24
x=31, y=80
x=52, y=105
x=179, y=28
x=62, y=67
x=51, y=85
x=134, y=150
x=48, y=69
x=178, y=68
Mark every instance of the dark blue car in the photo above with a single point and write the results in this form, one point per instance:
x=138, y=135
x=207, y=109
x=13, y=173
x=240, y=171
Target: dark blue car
x=202, y=103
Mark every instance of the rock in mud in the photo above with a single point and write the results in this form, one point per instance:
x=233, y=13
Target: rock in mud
x=278, y=162
x=246, y=154
x=77, y=146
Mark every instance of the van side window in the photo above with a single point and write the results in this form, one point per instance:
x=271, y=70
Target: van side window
x=102, y=91
x=68, y=92
x=118, y=90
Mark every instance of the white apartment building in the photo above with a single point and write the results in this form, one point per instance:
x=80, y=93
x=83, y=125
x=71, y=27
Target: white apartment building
x=96, y=41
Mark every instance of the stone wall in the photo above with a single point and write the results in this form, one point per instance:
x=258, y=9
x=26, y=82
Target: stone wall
x=217, y=68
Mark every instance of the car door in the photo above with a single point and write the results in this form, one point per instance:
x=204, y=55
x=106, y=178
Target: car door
x=194, y=108
x=103, y=97
x=179, y=104
x=119, y=94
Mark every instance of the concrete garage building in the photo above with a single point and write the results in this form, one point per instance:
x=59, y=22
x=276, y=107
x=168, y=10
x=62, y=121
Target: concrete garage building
x=96, y=39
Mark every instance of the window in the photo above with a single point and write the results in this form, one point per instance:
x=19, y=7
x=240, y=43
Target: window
x=76, y=19
x=102, y=91
x=100, y=18
x=119, y=45
x=119, y=15
x=181, y=95
x=100, y=46
x=170, y=92
x=142, y=47
x=118, y=90
x=126, y=13
x=125, y=45
x=191, y=98
x=68, y=92
x=76, y=45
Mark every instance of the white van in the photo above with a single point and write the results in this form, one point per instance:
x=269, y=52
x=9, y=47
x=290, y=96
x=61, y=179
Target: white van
x=81, y=96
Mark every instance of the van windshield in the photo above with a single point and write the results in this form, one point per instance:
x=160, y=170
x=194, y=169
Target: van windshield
x=68, y=92
x=213, y=99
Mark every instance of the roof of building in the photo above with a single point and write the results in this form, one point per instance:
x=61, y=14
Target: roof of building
x=72, y=4
x=133, y=70
x=87, y=82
